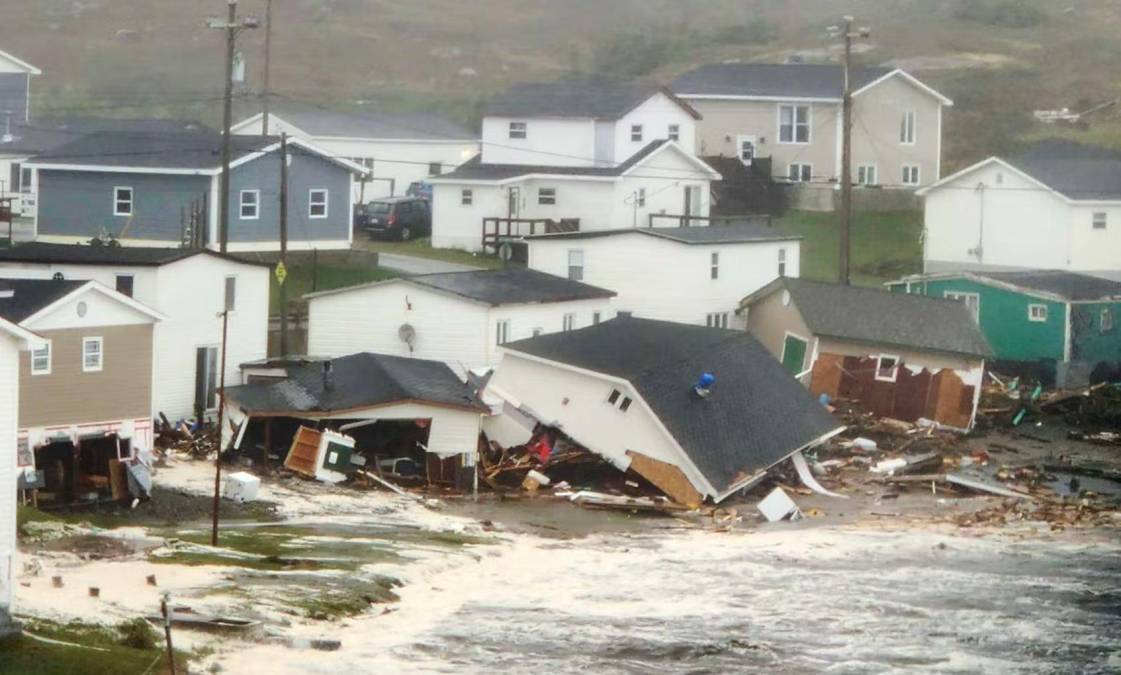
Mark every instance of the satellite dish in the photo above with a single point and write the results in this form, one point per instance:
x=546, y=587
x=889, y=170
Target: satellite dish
x=407, y=334
x=505, y=252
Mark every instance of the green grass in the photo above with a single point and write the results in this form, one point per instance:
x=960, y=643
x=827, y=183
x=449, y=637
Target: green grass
x=306, y=275
x=22, y=654
x=884, y=245
x=422, y=248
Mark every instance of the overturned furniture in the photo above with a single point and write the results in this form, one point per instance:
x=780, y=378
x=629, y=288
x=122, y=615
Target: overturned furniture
x=698, y=412
x=411, y=419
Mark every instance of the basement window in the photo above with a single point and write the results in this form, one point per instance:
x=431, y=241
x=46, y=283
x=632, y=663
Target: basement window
x=1037, y=313
x=887, y=367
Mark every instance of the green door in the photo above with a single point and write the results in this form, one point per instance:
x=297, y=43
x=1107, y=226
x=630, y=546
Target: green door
x=793, y=354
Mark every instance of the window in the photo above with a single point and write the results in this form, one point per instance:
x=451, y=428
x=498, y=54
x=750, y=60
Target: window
x=636, y=132
x=231, y=294
x=41, y=360
x=1037, y=312
x=971, y=300
x=517, y=129
x=206, y=378
x=25, y=180
x=595, y=318
x=435, y=168
x=91, y=355
x=317, y=203
x=547, y=196
x=250, y=202
x=122, y=201
x=616, y=399
x=466, y=197
x=907, y=128
x=614, y=396
x=746, y=149
x=800, y=173
x=866, y=174
x=569, y=322
x=674, y=132
x=502, y=332
x=910, y=174
x=782, y=262
x=625, y=404
x=642, y=196
x=1099, y=220
x=717, y=320
x=125, y=284
x=1105, y=323
x=576, y=265
x=886, y=367
x=714, y=265
x=793, y=124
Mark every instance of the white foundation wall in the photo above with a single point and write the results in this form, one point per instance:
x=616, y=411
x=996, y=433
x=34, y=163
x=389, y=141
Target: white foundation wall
x=9, y=413
x=661, y=279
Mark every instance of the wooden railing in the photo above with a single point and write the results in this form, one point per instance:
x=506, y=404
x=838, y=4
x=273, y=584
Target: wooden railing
x=496, y=230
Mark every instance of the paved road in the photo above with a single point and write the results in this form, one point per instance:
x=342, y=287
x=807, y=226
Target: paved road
x=413, y=265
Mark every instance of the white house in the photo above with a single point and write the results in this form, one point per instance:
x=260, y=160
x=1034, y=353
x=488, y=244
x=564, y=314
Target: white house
x=632, y=391
x=460, y=318
x=687, y=274
x=191, y=288
x=479, y=205
x=1057, y=206
x=15, y=113
x=396, y=149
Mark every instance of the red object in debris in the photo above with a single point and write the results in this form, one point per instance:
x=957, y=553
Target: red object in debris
x=980, y=457
x=542, y=449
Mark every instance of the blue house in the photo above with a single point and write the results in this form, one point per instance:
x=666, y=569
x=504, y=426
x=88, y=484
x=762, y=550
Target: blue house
x=152, y=189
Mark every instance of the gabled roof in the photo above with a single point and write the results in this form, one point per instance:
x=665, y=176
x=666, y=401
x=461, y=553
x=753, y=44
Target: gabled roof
x=785, y=80
x=363, y=380
x=876, y=316
x=25, y=300
x=507, y=286
x=19, y=63
x=1057, y=285
x=751, y=229
x=367, y=124
x=83, y=254
x=475, y=170
x=594, y=99
x=755, y=416
x=44, y=135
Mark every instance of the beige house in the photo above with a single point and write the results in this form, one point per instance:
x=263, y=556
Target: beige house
x=85, y=393
x=791, y=114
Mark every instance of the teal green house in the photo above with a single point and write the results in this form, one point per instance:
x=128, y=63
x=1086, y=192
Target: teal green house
x=1036, y=315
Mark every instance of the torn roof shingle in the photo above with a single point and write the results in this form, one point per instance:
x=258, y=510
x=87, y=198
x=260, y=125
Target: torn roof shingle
x=756, y=415
x=361, y=380
x=595, y=99
x=20, y=298
x=772, y=79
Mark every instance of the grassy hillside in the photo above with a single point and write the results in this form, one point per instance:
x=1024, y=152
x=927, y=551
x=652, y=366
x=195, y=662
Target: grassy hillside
x=998, y=59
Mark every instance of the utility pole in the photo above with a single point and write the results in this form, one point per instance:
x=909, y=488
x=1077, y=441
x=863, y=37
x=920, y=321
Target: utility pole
x=265, y=84
x=846, y=32
x=232, y=27
x=221, y=409
x=282, y=268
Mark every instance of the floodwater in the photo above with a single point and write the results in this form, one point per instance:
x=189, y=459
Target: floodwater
x=777, y=599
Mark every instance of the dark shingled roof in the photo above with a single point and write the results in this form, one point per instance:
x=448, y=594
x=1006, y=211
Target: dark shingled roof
x=749, y=229
x=772, y=79
x=756, y=415
x=185, y=150
x=358, y=381
x=475, y=169
x=511, y=285
x=1068, y=285
x=83, y=254
x=881, y=317
x=597, y=99
x=1074, y=170
x=44, y=135
x=30, y=295
x=371, y=124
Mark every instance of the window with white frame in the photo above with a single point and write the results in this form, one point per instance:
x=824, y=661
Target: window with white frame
x=907, y=128
x=887, y=367
x=910, y=174
x=714, y=265
x=793, y=124
x=1099, y=220
x=642, y=196
x=546, y=196
x=636, y=132
x=122, y=201
x=250, y=204
x=502, y=331
x=576, y=264
x=617, y=400
x=41, y=360
x=800, y=173
x=1105, y=321
x=466, y=197
x=1037, y=312
x=716, y=320
x=92, y=354
x=25, y=179
x=517, y=130
x=782, y=262
x=569, y=322
x=866, y=174
x=317, y=203
x=674, y=132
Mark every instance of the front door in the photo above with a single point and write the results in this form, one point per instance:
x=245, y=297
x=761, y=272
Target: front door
x=745, y=147
x=793, y=354
x=513, y=202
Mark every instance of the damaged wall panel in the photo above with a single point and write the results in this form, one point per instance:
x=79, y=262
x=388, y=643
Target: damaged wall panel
x=667, y=477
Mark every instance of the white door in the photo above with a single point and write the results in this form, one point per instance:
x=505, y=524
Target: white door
x=693, y=200
x=745, y=149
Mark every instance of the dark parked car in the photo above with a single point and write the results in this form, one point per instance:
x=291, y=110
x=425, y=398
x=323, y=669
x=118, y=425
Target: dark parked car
x=401, y=218
x=419, y=188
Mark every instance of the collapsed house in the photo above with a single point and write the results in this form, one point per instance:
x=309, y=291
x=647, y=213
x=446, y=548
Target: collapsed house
x=413, y=418
x=902, y=356
x=698, y=412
